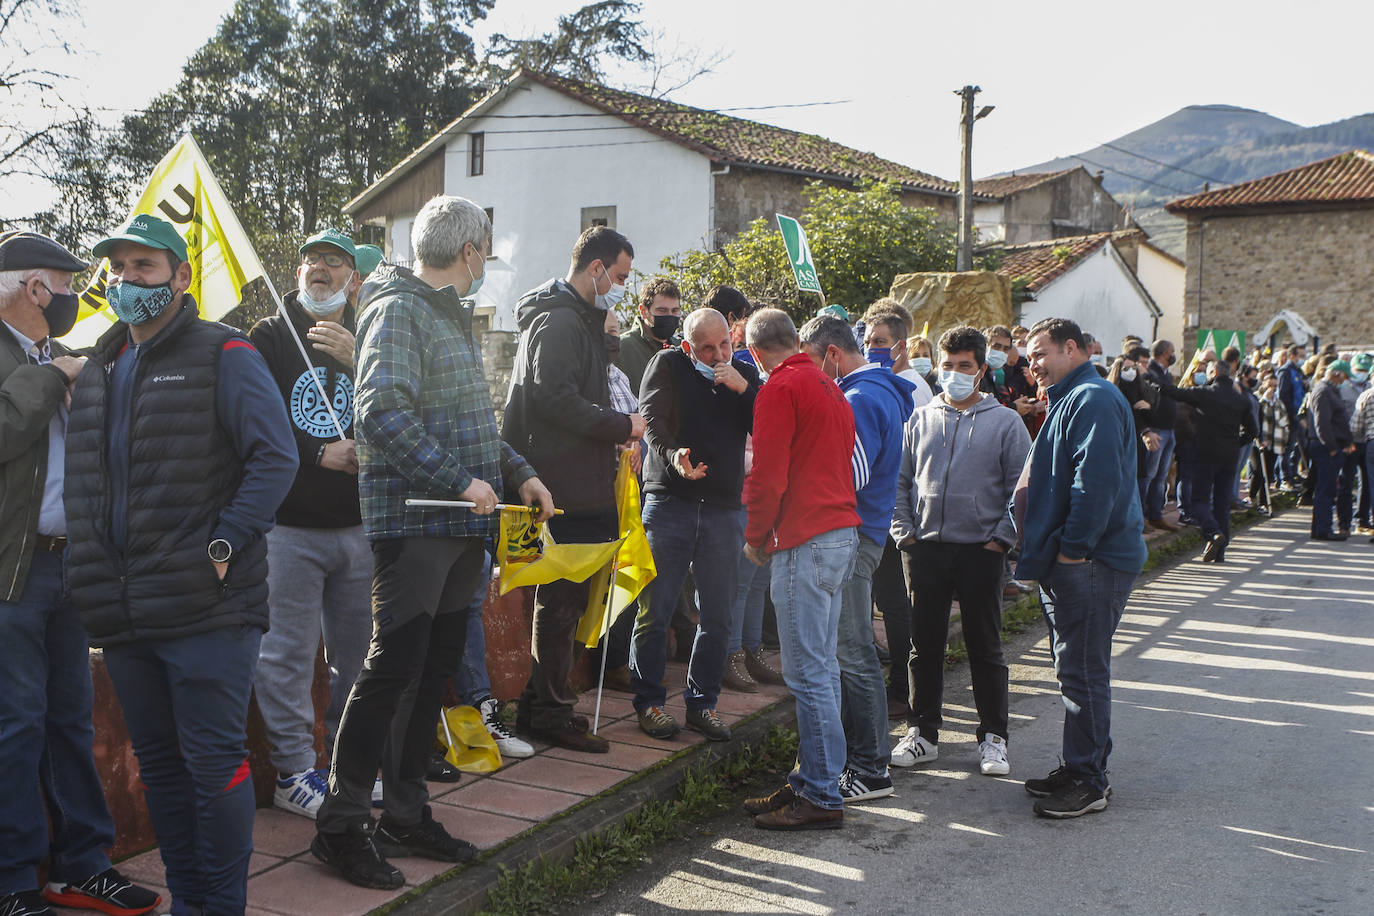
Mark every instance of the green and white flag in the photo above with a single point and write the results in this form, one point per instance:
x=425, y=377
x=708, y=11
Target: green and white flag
x=799, y=254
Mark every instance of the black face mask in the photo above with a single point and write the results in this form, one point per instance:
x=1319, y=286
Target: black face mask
x=612, y=344
x=665, y=326
x=61, y=312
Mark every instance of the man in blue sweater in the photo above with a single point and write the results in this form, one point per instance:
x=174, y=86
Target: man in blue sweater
x=881, y=402
x=1078, y=511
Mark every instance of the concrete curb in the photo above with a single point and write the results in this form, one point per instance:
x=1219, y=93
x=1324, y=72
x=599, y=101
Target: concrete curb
x=464, y=891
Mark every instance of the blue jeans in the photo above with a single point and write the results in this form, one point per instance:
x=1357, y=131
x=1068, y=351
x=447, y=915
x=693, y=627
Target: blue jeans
x=746, y=618
x=1157, y=475
x=863, y=694
x=1083, y=604
x=807, y=588
x=45, y=718
x=471, y=680
x=186, y=704
x=709, y=539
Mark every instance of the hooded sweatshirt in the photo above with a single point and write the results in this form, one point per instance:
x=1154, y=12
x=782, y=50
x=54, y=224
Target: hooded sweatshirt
x=959, y=469
x=881, y=403
x=558, y=413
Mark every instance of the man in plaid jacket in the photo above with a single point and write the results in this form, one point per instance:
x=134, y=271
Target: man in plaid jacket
x=425, y=428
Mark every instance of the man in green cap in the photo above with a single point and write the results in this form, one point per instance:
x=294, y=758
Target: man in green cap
x=368, y=257
x=178, y=454
x=320, y=568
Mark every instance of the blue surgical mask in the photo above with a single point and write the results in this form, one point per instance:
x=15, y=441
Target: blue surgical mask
x=611, y=298
x=476, y=281
x=318, y=307
x=996, y=359
x=1199, y=378
x=957, y=385
x=134, y=304
x=707, y=372
x=922, y=365
x=881, y=356
x=1360, y=376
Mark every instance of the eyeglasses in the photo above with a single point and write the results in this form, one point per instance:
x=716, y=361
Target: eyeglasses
x=311, y=258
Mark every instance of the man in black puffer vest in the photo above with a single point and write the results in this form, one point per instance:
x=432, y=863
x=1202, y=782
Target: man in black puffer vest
x=178, y=454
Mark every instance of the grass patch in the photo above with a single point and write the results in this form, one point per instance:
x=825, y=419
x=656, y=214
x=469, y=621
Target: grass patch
x=599, y=859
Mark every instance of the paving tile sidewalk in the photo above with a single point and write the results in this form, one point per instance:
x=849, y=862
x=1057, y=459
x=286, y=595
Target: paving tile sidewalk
x=486, y=809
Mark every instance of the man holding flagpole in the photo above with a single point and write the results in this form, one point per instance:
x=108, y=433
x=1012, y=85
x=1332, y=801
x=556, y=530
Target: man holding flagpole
x=320, y=572
x=178, y=454
x=426, y=430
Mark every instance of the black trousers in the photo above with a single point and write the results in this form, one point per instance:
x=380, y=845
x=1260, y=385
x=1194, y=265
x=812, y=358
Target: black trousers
x=893, y=599
x=939, y=573
x=421, y=589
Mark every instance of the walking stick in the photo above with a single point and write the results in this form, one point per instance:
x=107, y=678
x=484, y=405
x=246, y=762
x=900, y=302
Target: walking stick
x=605, y=638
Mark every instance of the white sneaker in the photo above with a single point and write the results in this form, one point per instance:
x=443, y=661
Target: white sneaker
x=913, y=750
x=506, y=742
x=301, y=793
x=993, y=750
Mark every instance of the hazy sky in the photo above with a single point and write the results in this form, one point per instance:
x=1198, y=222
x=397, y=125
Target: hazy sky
x=1063, y=76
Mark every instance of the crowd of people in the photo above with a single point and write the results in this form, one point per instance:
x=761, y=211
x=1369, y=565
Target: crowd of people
x=208, y=506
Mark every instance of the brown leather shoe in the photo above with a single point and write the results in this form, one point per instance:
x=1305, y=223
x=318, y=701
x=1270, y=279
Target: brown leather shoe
x=1163, y=524
x=619, y=679
x=765, y=803
x=760, y=669
x=737, y=675
x=572, y=737
x=800, y=814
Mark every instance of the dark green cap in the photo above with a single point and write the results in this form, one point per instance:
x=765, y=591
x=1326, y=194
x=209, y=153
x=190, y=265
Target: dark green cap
x=367, y=259
x=332, y=237
x=1339, y=365
x=145, y=229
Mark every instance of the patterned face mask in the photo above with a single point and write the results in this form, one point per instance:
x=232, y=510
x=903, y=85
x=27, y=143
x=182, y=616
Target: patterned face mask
x=134, y=304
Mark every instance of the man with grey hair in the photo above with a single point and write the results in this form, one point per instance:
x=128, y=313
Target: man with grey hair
x=425, y=428
x=881, y=401
x=698, y=407
x=802, y=511
x=45, y=677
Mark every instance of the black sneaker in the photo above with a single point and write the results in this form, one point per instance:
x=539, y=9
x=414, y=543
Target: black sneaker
x=108, y=892
x=427, y=839
x=438, y=769
x=24, y=903
x=356, y=857
x=1076, y=798
x=856, y=788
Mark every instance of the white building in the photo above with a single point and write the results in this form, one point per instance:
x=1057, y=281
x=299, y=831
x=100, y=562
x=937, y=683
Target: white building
x=549, y=157
x=1086, y=280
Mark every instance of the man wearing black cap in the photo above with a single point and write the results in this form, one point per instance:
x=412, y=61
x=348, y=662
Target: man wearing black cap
x=45, y=678
x=178, y=454
x=320, y=570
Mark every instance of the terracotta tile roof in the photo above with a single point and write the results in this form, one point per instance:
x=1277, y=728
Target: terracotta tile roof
x=1007, y=185
x=1038, y=263
x=1347, y=178
x=728, y=139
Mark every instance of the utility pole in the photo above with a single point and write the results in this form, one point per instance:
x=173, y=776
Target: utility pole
x=964, y=257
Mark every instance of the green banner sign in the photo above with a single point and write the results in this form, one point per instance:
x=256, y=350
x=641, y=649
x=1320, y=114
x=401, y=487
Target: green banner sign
x=1217, y=340
x=799, y=254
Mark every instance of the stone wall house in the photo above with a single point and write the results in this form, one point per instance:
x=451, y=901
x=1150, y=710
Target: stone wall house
x=1300, y=241
x=1036, y=206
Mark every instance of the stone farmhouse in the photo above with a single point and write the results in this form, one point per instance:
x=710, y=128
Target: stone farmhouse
x=1290, y=255
x=1035, y=206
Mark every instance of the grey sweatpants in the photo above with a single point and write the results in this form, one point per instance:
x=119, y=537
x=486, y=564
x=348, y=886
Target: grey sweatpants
x=320, y=582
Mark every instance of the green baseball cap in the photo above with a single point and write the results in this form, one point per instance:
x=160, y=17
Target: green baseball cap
x=1364, y=362
x=335, y=238
x=367, y=259
x=839, y=311
x=1339, y=365
x=145, y=229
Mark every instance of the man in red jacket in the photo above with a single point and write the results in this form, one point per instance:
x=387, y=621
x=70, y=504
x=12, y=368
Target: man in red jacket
x=802, y=511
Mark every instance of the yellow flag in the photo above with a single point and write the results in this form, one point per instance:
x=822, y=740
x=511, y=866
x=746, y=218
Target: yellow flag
x=528, y=554
x=634, y=562
x=183, y=191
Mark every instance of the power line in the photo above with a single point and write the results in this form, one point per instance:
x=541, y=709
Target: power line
x=1176, y=168
x=1129, y=175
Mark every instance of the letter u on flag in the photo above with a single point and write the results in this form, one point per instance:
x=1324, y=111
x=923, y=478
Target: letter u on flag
x=183, y=191
x=634, y=562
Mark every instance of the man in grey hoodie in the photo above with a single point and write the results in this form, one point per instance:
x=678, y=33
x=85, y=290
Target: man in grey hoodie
x=961, y=457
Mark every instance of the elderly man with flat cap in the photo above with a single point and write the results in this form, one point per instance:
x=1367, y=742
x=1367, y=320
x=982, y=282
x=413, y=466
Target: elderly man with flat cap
x=45, y=678
x=178, y=454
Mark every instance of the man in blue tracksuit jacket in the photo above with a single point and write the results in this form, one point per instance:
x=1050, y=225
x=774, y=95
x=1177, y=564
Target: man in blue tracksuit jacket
x=1080, y=524
x=881, y=402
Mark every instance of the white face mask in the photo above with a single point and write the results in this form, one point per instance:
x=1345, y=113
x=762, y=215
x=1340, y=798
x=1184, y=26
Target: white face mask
x=323, y=306
x=1128, y=375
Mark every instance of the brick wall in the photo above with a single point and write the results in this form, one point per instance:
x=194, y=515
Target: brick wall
x=1244, y=269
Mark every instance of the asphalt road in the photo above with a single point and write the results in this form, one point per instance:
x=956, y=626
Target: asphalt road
x=1242, y=773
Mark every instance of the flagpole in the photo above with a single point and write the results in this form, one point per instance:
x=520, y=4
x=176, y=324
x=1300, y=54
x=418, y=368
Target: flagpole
x=211, y=180
x=605, y=638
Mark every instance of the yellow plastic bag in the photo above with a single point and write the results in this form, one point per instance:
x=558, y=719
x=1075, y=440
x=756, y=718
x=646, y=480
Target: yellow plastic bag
x=467, y=743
